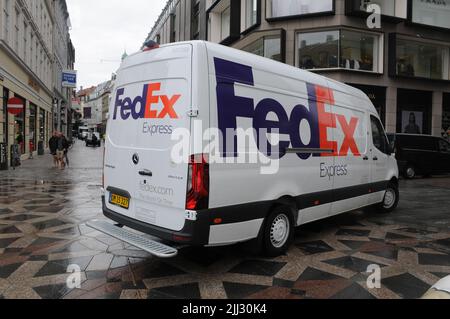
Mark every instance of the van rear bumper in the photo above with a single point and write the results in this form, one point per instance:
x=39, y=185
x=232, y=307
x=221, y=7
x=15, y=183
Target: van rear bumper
x=194, y=233
x=199, y=232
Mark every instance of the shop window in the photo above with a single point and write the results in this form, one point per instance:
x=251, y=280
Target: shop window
x=5, y=116
x=431, y=13
x=277, y=9
x=32, y=127
x=41, y=125
x=420, y=60
x=268, y=47
x=413, y=111
x=446, y=116
x=344, y=49
x=318, y=50
x=19, y=128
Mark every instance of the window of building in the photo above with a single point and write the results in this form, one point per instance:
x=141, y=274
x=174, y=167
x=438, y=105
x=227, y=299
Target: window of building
x=318, y=50
x=173, y=27
x=345, y=49
x=291, y=8
x=87, y=113
x=432, y=13
x=195, y=23
x=31, y=51
x=249, y=14
x=268, y=47
x=25, y=42
x=6, y=5
x=421, y=60
x=16, y=31
x=225, y=23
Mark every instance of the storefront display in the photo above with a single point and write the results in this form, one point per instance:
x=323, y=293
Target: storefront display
x=414, y=111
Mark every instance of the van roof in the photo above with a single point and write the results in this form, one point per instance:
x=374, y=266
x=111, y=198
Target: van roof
x=283, y=68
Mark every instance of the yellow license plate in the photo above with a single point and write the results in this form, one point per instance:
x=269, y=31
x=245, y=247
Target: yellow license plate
x=120, y=201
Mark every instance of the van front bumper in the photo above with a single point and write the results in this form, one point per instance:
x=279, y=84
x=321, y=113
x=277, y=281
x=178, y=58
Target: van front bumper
x=194, y=233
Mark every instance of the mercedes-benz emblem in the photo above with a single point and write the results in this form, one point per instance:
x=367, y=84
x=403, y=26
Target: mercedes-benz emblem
x=136, y=159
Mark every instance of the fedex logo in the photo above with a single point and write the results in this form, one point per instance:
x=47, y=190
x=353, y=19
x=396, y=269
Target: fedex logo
x=142, y=107
x=232, y=107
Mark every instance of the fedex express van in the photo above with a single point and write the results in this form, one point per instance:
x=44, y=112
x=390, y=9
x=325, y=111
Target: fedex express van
x=329, y=150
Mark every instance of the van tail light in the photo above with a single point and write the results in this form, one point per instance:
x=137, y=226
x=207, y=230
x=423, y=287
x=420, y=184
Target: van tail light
x=198, y=183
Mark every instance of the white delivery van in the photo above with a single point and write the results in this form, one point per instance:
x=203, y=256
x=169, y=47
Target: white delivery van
x=331, y=150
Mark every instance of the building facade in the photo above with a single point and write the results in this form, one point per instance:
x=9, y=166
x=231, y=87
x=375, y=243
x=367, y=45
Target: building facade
x=27, y=59
x=403, y=64
x=63, y=59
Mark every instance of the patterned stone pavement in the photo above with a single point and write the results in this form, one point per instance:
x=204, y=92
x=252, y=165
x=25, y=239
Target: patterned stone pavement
x=42, y=232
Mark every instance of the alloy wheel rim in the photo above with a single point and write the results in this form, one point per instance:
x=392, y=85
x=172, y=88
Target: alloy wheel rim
x=279, y=232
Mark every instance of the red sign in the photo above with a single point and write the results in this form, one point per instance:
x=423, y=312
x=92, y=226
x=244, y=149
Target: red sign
x=15, y=106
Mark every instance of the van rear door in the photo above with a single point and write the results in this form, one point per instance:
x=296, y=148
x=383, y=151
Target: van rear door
x=152, y=99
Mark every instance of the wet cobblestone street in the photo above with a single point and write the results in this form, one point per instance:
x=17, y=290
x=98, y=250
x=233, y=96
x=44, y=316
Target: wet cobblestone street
x=42, y=231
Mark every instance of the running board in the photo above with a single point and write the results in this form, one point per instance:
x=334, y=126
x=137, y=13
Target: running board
x=153, y=247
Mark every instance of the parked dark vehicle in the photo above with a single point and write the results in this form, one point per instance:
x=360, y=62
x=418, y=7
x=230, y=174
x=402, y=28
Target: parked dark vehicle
x=421, y=155
x=93, y=139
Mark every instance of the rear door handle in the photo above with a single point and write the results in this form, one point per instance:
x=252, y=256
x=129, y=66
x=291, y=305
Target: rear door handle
x=146, y=172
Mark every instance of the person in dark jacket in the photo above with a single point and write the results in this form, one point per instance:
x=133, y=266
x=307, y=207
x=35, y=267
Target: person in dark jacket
x=53, y=145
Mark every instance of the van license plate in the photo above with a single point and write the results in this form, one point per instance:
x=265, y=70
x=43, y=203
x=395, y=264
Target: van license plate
x=120, y=201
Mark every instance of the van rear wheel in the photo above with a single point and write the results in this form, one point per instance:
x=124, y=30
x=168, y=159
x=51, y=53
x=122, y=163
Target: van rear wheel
x=278, y=231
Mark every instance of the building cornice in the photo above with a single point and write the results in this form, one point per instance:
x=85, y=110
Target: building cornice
x=27, y=70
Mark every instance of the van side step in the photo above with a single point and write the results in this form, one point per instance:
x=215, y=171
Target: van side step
x=153, y=247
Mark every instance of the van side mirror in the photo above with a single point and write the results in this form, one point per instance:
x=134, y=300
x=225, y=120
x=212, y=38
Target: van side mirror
x=391, y=148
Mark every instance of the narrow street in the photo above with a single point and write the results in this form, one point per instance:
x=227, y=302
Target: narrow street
x=42, y=232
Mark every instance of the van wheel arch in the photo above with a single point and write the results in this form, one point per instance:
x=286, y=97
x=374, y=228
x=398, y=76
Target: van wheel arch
x=256, y=246
x=288, y=201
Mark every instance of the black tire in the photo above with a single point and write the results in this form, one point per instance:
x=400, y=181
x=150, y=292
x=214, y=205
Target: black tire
x=390, y=200
x=278, y=232
x=410, y=171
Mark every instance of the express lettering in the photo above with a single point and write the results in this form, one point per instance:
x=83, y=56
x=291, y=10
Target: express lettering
x=142, y=106
x=231, y=107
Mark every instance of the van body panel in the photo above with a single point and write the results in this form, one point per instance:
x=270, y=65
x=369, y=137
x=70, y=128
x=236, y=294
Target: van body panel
x=152, y=99
x=326, y=154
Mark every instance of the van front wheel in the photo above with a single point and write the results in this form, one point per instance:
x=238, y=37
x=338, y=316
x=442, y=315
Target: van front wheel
x=390, y=200
x=278, y=232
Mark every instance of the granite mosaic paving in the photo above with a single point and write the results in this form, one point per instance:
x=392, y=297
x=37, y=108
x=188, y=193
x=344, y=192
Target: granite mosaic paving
x=42, y=232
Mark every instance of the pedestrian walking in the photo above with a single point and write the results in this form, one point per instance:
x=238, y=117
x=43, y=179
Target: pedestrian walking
x=66, y=146
x=62, y=144
x=53, y=145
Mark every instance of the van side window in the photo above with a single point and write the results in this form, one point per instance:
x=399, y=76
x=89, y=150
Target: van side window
x=379, y=137
x=444, y=146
